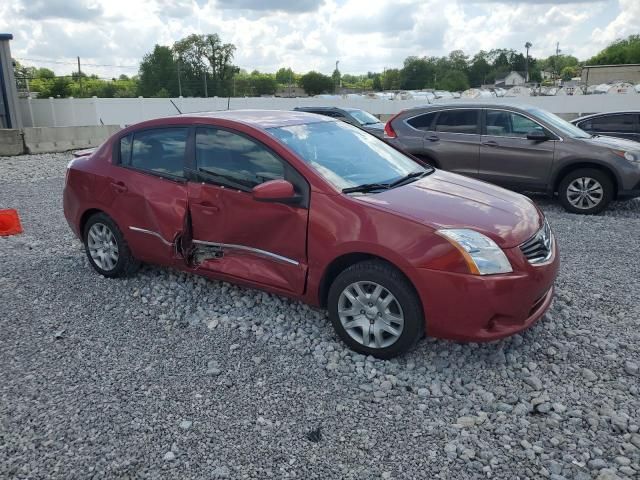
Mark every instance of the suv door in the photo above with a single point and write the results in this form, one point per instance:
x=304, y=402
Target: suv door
x=453, y=140
x=232, y=233
x=623, y=125
x=148, y=191
x=508, y=158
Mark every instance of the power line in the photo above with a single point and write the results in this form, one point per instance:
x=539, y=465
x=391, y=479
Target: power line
x=57, y=62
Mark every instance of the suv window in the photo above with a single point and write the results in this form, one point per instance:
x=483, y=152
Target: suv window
x=458, y=121
x=422, y=122
x=160, y=150
x=611, y=123
x=509, y=124
x=235, y=158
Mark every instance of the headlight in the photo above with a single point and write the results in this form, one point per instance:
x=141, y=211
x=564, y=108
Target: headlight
x=481, y=253
x=630, y=156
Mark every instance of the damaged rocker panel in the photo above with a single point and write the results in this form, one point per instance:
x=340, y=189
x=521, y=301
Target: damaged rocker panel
x=221, y=246
x=150, y=232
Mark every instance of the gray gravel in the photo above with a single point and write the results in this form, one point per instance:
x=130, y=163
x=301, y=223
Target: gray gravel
x=167, y=375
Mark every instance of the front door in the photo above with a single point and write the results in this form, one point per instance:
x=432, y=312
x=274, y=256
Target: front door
x=508, y=158
x=234, y=234
x=148, y=191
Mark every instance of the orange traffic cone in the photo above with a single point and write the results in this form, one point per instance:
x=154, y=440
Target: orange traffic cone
x=9, y=223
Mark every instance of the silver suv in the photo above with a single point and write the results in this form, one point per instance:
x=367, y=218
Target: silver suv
x=521, y=148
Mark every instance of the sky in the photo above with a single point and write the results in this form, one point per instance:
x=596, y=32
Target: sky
x=112, y=36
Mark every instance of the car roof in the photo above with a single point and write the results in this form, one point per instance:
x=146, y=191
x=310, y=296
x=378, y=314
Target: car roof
x=602, y=114
x=445, y=105
x=262, y=118
x=318, y=109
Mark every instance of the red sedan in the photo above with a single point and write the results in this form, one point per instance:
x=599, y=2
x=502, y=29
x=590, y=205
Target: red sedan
x=308, y=207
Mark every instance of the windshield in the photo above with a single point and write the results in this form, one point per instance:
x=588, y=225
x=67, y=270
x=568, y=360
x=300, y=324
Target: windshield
x=364, y=118
x=555, y=121
x=345, y=155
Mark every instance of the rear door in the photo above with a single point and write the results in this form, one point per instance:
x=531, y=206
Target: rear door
x=235, y=235
x=508, y=158
x=623, y=125
x=453, y=140
x=148, y=191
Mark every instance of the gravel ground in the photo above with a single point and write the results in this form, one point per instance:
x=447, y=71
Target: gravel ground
x=168, y=375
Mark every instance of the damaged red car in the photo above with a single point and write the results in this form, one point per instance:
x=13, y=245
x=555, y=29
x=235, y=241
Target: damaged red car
x=315, y=209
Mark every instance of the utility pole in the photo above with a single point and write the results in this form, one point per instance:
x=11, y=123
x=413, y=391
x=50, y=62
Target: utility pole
x=80, y=78
x=179, y=81
x=527, y=45
x=206, y=93
x=335, y=84
x=290, y=81
x=557, y=59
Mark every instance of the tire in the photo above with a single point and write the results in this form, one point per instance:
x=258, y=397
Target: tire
x=403, y=303
x=588, y=179
x=101, y=230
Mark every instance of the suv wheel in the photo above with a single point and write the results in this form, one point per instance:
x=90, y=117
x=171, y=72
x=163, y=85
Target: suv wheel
x=375, y=310
x=585, y=190
x=106, y=248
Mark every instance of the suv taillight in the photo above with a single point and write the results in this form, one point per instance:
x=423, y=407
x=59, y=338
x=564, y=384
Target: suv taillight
x=388, y=128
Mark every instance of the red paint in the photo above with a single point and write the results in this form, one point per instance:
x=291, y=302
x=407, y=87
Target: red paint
x=9, y=223
x=273, y=190
x=397, y=225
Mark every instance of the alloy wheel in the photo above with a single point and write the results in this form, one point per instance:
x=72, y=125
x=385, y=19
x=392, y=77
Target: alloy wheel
x=585, y=193
x=103, y=247
x=370, y=314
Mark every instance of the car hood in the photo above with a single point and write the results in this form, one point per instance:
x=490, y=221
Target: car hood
x=447, y=200
x=613, y=142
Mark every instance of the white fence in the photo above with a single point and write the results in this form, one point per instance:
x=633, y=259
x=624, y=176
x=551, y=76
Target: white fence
x=125, y=111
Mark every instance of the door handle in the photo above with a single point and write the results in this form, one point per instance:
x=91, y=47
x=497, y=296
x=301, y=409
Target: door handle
x=490, y=143
x=119, y=187
x=433, y=138
x=208, y=205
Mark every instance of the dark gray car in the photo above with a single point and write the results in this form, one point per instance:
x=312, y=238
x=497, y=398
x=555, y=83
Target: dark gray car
x=521, y=148
x=354, y=116
x=613, y=124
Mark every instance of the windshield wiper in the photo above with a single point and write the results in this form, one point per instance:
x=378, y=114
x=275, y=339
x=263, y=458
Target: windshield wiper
x=366, y=187
x=409, y=176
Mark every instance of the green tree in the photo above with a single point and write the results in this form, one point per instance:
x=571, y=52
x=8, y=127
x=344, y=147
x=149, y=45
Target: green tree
x=158, y=70
x=453, y=81
x=284, y=76
x=416, y=73
x=315, y=83
x=621, y=51
x=335, y=77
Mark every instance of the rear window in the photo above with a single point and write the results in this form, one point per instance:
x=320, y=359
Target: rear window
x=422, y=122
x=160, y=151
x=458, y=121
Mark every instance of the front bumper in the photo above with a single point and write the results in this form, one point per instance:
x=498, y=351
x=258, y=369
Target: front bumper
x=483, y=308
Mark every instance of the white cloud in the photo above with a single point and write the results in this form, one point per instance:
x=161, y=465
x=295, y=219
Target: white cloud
x=363, y=35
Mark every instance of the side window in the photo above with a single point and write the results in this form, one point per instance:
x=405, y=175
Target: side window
x=508, y=124
x=586, y=125
x=613, y=123
x=422, y=122
x=458, y=121
x=235, y=158
x=160, y=150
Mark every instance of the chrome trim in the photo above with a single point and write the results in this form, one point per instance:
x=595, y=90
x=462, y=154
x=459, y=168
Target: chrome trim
x=257, y=251
x=149, y=232
x=546, y=238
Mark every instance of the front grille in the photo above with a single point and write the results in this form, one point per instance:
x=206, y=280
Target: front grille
x=538, y=249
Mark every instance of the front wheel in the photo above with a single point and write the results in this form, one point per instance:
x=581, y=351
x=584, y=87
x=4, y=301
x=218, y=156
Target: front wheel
x=585, y=190
x=375, y=310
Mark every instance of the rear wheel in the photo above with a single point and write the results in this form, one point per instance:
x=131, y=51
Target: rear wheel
x=375, y=310
x=585, y=190
x=106, y=248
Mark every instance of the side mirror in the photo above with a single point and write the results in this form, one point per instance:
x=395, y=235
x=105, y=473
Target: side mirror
x=280, y=191
x=537, y=135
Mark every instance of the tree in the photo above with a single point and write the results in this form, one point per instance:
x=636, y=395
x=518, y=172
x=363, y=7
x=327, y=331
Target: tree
x=284, y=76
x=453, y=81
x=315, y=83
x=158, y=70
x=416, y=73
x=335, y=77
x=479, y=69
x=619, y=52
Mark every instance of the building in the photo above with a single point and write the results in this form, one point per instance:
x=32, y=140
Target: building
x=513, y=79
x=597, y=74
